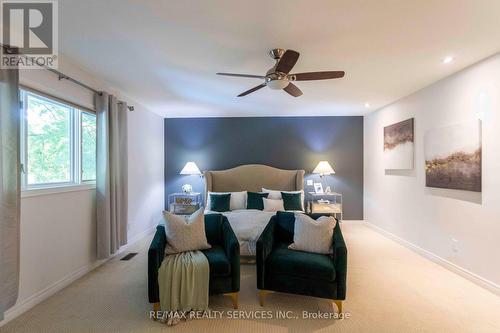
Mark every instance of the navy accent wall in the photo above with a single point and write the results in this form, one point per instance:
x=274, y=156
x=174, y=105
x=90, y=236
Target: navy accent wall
x=282, y=142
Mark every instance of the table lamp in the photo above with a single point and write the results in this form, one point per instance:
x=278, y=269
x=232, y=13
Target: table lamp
x=323, y=168
x=189, y=169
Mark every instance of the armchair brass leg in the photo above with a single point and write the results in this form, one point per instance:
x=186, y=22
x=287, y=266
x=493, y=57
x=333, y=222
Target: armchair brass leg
x=234, y=298
x=156, y=308
x=262, y=295
x=338, y=304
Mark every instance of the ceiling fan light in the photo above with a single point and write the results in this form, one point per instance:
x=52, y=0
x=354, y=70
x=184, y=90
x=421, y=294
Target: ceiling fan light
x=278, y=77
x=277, y=84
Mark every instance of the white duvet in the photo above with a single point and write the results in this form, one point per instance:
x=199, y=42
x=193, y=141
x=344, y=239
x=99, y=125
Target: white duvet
x=247, y=224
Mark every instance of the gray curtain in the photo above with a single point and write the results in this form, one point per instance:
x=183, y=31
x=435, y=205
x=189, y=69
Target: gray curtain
x=112, y=187
x=9, y=188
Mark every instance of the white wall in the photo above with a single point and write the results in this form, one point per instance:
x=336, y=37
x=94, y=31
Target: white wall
x=58, y=231
x=399, y=202
x=145, y=168
x=58, y=234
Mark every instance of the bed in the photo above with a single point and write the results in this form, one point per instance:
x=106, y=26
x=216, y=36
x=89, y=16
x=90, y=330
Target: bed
x=248, y=224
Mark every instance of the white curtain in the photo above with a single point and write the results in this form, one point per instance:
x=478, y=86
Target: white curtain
x=112, y=187
x=9, y=188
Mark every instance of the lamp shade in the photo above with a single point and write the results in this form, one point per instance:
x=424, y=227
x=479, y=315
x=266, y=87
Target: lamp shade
x=190, y=169
x=324, y=168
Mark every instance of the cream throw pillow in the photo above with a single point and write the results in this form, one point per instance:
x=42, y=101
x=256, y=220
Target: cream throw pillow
x=271, y=205
x=185, y=235
x=313, y=235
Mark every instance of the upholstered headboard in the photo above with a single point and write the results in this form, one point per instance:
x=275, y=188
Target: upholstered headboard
x=253, y=177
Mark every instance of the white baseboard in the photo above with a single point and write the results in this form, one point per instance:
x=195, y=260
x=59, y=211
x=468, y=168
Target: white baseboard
x=480, y=281
x=42, y=295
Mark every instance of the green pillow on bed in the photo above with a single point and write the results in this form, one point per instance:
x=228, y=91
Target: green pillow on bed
x=292, y=201
x=254, y=200
x=220, y=202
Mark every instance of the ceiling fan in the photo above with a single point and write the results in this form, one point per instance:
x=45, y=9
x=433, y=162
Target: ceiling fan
x=278, y=76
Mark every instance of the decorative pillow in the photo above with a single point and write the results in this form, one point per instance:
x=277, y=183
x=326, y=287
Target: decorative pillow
x=254, y=200
x=273, y=194
x=185, y=235
x=271, y=205
x=291, y=201
x=238, y=199
x=313, y=235
x=220, y=202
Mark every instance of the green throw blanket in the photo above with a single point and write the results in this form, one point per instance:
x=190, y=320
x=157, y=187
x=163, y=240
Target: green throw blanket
x=183, y=280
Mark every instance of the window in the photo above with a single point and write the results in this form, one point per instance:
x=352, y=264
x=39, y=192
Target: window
x=58, y=145
x=88, y=130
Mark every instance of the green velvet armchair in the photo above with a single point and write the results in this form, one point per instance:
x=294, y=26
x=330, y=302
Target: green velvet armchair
x=223, y=258
x=282, y=270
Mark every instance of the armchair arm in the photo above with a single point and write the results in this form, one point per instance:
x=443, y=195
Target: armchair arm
x=156, y=253
x=232, y=250
x=264, y=247
x=340, y=261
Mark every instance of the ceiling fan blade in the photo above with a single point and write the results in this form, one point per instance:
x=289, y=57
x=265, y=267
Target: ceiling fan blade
x=293, y=90
x=252, y=90
x=287, y=61
x=243, y=75
x=317, y=76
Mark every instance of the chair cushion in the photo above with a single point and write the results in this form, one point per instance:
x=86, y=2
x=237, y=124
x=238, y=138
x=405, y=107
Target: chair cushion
x=284, y=261
x=218, y=262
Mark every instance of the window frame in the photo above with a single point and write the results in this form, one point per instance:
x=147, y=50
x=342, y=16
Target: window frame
x=75, y=183
x=80, y=146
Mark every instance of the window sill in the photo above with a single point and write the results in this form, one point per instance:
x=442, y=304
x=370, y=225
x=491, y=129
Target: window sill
x=56, y=190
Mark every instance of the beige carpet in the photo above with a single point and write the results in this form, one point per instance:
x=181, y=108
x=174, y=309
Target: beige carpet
x=390, y=289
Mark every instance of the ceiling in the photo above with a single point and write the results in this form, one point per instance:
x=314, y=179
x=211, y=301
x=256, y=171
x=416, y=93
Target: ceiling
x=164, y=54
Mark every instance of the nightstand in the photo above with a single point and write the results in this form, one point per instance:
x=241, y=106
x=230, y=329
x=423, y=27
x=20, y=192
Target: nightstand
x=184, y=203
x=329, y=203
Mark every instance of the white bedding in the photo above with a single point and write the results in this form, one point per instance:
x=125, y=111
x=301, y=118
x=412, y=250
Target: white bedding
x=247, y=225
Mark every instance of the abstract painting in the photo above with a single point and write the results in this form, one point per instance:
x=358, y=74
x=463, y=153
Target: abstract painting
x=453, y=157
x=398, y=145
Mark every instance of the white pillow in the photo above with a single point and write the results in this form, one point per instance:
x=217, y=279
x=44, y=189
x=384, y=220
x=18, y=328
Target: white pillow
x=185, y=235
x=238, y=199
x=313, y=235
x=271, y=205
x=276, y=195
